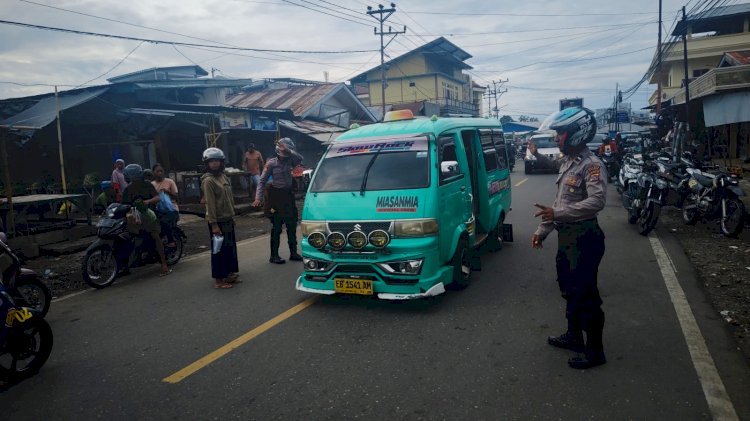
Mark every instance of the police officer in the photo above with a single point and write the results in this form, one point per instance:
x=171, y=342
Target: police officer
x=280, y=206
x=581, y=194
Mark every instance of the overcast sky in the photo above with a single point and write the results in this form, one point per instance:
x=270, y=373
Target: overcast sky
x=602, y=43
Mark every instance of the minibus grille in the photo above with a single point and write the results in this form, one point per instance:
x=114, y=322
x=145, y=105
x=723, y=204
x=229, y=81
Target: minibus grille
x=355, y=269
x=365, y=226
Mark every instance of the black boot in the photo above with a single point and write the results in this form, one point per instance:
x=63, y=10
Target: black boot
x=588, y=359
x=276, y=259
x=567, y=340
x=295, y=257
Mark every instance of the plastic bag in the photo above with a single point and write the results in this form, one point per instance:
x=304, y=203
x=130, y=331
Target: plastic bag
x=216, y=242
x=165, y=204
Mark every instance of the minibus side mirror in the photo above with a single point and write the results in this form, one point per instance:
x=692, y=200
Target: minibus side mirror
x=449, y=168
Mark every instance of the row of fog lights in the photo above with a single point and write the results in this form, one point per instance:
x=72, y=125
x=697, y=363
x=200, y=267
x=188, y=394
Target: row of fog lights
x=356, y=239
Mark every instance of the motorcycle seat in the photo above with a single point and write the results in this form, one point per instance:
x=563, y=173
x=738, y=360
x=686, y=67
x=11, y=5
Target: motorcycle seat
x=704, y=180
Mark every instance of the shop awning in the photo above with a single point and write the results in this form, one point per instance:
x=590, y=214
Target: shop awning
x=323, y=132
x=44, y=112
x=726, y=108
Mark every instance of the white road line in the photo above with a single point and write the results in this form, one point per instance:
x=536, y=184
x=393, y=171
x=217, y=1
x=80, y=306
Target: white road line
x=713, y=388
x=521, y=182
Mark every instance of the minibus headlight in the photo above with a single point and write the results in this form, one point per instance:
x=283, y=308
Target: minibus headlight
x=316, y=265
x=337, y=240
x=415, y=227
x=317, y=239
x=357, y=239
x=406, y=267
x=379, y=238
x=309, y=227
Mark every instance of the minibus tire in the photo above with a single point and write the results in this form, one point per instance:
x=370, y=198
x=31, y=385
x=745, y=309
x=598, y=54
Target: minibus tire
x=495, y=239
x=461, y=263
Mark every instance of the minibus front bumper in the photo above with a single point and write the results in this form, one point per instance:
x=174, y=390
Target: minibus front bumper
x=436, y=289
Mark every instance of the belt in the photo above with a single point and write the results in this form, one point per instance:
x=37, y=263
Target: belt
x=576, y=224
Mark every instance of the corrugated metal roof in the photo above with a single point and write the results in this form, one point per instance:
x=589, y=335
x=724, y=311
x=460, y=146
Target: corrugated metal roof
x=299, y=99
x=711, y=15
x=324, y=132
x=735, y=58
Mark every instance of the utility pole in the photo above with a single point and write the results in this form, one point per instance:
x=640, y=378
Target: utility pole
x=383, y=15
x=492, y=95
x=617, y=107
x=658, y=67
x=60, y=144
x=687, y=78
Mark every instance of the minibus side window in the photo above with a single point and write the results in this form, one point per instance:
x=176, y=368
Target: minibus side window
x=449, y=169
x=502, y=153
x=488, y=151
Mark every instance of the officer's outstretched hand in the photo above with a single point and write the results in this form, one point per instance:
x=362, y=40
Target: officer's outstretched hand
x=536, y=242
x=547, y=213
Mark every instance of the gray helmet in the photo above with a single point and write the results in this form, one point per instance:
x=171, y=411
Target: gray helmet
x=289, y=143
x=133, y=172
x=578, y=122
x=213, y=153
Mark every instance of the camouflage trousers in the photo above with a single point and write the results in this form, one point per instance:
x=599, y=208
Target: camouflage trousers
x=579, y=252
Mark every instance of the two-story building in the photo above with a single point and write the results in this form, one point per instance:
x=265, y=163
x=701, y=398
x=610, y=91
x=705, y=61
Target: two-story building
x=718, y=47
x=429, y=75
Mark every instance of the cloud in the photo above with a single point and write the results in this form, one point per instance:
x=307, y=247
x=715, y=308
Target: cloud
x=35, y=56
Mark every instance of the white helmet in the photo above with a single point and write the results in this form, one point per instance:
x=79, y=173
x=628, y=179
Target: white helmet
x=578, y=122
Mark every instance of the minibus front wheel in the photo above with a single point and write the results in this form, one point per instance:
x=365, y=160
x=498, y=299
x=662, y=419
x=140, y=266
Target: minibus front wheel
x=461, y=263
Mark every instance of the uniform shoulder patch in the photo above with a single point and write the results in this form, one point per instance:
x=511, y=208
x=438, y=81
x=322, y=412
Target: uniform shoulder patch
x=593, y=172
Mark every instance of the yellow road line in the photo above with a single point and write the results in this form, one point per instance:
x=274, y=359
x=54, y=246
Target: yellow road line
x=521, y=182
x=231, y=346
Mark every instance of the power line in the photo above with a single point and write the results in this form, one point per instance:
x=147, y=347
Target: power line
x=467, y=34
x=325, y=13
x=113, y=67
x=531, y=14
x=185, y=44
x=154, y=29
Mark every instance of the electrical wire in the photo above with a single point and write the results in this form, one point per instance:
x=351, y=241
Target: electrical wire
x=184, y=44
x=531, y=14
x=113, y=67
x=152, y=28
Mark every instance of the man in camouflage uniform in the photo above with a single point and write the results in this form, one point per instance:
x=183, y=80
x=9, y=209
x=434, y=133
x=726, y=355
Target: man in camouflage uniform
x=581, y=194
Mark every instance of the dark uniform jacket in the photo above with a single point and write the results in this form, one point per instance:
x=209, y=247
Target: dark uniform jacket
x=280, y=200
x=581, y=190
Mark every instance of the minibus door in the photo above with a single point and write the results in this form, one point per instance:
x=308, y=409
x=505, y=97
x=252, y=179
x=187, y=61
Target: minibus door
x=469, y=140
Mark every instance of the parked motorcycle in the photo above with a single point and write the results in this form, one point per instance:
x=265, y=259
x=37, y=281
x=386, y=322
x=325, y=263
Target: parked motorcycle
x=648, y=199
x=714, y=196
x=26, y=340
x=117, y=250
x=611, y=164
x=627, y=184
x=24, y=285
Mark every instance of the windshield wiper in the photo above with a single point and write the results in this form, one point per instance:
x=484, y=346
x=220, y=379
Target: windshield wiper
x=367, y=172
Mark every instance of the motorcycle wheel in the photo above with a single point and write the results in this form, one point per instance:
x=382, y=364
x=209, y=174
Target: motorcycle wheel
x=690, y=209
x=100, y=267
x=32, y=292
x=26, y=350
x=648, y=218
x=173, y=254
x=733, y=222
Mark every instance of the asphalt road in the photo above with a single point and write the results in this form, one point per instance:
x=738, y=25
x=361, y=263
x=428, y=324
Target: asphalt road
x=476, y=354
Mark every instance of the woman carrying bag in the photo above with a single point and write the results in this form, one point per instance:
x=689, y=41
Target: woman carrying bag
x=167, y=209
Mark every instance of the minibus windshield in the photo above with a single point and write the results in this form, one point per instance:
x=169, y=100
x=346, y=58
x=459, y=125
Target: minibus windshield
x=383, y=165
